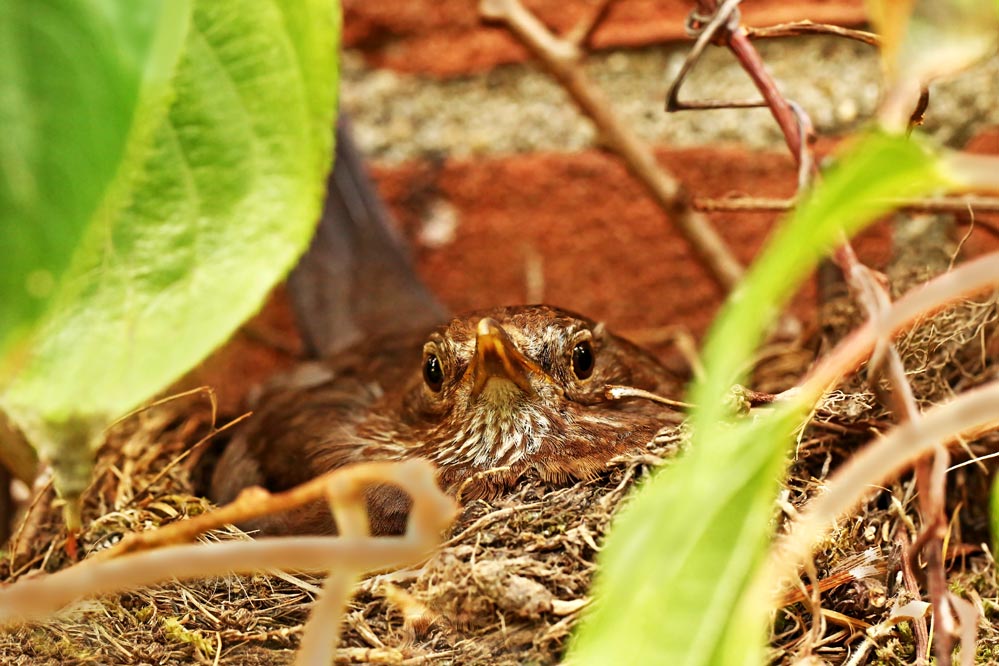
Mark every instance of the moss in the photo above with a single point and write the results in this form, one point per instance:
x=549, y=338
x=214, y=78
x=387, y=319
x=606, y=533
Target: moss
x=145, y=613
x=47, y=643
x=177, y=632
x=987, y=652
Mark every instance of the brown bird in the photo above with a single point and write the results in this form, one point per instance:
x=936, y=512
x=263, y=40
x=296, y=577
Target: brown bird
x=488, y=398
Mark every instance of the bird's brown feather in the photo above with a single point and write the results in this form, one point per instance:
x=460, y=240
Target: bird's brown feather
x=372, y=403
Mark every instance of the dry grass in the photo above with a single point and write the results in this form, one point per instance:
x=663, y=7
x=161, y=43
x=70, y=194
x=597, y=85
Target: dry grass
x=512, y=578
x=507, y=586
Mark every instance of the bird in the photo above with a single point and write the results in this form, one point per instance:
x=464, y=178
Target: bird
x=488, y=397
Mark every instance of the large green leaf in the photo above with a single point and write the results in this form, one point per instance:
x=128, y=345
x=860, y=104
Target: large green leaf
x=211, y=206
x=72, y=75
x=680, y=556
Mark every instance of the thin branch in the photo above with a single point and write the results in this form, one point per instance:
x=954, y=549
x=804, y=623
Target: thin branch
x=725, y=18
x=873, y=297
x=256, y=502
x=767, y=204
x=720, y=23
x=348, y=555
x=561, y=58
x=581, y=33
x=798, y=28
x=965, y=280
x=970, y=413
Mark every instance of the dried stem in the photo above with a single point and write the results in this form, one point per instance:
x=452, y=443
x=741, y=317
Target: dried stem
x=724, y=22
x=970, y=413
x=912, y=587
x=347, y=503
x=39, y=596
x=347, y=556
x=707, y=29
x=798, y=28
x=965, y=280
x=561, y=58
x=886, y=457
x=873, y=297
x=256, y=502
x=765, y=204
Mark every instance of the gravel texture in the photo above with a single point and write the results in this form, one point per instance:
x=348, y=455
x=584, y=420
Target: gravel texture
x=519, y=108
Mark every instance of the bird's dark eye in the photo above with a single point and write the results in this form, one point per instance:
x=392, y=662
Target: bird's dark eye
x=582, y=359
x=433, y=375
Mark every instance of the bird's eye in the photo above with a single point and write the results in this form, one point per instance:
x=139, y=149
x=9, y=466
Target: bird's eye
x=582, y=359
x=433, y=375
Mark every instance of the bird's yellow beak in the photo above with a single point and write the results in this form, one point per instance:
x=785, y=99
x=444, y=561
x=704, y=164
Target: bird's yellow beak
x=497, y=357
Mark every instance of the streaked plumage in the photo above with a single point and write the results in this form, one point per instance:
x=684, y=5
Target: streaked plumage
x=520, y=391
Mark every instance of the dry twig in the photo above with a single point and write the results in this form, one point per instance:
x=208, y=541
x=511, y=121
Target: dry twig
x=719, y=23
x=562, y=59
x=962, y=204
x=798, y=28
x=347, y=556
x=970, y=414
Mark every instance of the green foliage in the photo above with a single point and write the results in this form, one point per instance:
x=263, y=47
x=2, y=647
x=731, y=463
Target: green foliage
x=213, y=197
x=679, y=562
x=994, y=515
x=72, y=76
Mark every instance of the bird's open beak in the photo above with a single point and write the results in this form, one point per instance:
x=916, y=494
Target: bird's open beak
x=496, y=356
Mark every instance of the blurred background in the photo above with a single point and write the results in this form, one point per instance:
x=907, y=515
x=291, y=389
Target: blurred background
x=501, y=190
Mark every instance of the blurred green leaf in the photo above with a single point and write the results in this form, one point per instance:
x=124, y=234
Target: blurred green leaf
x=212, y=204
x=679, y=558
x=72, y=76
x=994, y=515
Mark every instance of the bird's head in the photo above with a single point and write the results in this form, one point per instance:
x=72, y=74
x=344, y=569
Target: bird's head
x=507, y=385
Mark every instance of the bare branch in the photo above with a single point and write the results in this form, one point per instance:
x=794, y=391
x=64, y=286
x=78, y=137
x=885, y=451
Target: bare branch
x=561, y=58
x=970, y=413
x=720, y=23
x=256, y=502
x=582, y=31
x=797, y=28
x=949, y=205
x=346, y=556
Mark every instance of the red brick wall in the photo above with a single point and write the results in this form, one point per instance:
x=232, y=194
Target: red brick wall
x=446, y=37
x=479, y=225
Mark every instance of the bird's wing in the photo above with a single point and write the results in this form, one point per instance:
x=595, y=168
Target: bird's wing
x=357, y=280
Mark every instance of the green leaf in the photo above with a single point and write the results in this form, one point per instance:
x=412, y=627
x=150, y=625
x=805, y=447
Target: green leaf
x=994, y=516
x=680, y=557
x=212, y=204
x=72, y=76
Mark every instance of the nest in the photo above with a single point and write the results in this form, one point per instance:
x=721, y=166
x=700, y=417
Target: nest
x=511, y=580
x=508, y=584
